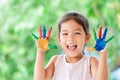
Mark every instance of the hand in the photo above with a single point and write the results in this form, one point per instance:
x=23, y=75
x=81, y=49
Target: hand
x=100, y=41
x=43, y=39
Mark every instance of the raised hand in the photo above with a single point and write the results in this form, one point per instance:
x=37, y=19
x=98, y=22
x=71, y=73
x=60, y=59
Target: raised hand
x=100, y=40
x=43, y=39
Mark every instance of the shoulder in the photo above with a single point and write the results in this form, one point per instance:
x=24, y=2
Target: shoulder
x=53, y=58
x=49, y=70
x=51, y=62
x=56, y=58
x=93, y=66
x=93, y=61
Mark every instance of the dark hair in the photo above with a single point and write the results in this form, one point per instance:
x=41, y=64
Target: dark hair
x=80, y=19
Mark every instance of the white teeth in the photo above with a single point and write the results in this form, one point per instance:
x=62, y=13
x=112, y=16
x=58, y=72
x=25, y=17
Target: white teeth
x=71, y=47
x=70, y=44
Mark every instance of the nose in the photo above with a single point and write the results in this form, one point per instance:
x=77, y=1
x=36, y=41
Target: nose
x=70, y=37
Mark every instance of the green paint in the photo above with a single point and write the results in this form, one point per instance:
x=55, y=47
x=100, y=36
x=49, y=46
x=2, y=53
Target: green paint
x=109, y=39
x=52, y=47
x=95, y=36
x=34, y=36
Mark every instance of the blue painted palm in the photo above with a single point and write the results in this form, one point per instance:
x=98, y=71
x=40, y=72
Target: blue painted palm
x=100, y=40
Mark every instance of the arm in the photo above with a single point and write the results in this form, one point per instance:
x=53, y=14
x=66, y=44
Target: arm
x=102, y=72
x=99, y=69
x=40, y=72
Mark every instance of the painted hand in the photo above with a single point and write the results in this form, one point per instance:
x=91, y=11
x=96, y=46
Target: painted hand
x=100, y=40
x=43, y=39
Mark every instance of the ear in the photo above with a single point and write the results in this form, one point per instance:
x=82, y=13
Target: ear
x=58, y=39
x=87, y=38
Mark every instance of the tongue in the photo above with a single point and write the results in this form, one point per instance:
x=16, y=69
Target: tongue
x=71, y=47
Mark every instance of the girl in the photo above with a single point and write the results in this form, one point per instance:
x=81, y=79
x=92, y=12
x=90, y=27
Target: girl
x=73, y=35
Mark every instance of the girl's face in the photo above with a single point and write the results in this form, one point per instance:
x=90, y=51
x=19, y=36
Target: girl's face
x=72, y=38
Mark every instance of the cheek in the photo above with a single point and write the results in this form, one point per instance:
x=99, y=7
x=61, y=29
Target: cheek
x=63, y=43
x=63, y=46
x=81, y=41
x=62, y=38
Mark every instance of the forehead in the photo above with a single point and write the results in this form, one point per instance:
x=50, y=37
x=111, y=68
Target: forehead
x=71, y=25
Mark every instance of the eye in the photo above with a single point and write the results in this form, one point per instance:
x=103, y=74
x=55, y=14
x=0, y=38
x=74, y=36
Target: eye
x=64, y=33
x=77, y=33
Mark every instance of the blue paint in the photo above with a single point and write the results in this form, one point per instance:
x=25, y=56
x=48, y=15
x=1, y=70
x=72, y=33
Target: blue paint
x=44, y=32
x=104, y=35
x=100, y=44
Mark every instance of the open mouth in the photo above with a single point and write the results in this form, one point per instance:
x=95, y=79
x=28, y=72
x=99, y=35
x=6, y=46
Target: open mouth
x=71, y=47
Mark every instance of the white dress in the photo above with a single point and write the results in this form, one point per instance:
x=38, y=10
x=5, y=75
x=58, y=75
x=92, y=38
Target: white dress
x=72, y=71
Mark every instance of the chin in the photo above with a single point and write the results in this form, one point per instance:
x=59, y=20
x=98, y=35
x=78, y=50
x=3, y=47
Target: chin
x=72, y=55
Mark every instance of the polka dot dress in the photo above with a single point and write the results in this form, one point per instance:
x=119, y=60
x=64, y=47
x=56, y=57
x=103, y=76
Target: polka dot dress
x=72, y=71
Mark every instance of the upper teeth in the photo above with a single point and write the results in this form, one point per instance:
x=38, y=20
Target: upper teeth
x=71, y=45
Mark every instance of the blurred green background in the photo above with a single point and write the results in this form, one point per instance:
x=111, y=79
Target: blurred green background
x=18, y=18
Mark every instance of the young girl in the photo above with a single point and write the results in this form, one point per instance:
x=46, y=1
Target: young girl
x=73, y=64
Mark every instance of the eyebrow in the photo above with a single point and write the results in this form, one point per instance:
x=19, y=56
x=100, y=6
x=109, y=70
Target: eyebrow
x=74, y=30
x=78, y=30
x=64, y=30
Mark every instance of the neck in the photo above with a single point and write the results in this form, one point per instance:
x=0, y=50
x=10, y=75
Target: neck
x=73, y=59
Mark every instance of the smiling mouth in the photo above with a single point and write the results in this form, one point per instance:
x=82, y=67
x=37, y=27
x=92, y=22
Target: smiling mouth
x=71, y=47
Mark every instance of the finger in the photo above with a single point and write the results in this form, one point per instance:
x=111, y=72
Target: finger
x=40, y=32
x=48, y=35
x=44, y=32
x=109, y=39
x=95, y=36
x=90, y=49
x=100, y=32
x=34, y=36
x=52, y=47
x=104, y=35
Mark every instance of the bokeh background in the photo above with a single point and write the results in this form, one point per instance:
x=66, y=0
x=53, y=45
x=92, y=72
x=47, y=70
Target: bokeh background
x=18, y=18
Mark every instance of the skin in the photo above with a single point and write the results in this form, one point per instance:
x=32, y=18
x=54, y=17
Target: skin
x=71, y=35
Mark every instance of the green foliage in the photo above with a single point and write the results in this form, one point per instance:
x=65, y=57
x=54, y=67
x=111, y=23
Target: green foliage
x=18, y=18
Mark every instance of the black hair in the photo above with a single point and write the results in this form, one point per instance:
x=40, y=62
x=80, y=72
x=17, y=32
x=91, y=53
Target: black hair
x=79, y=18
